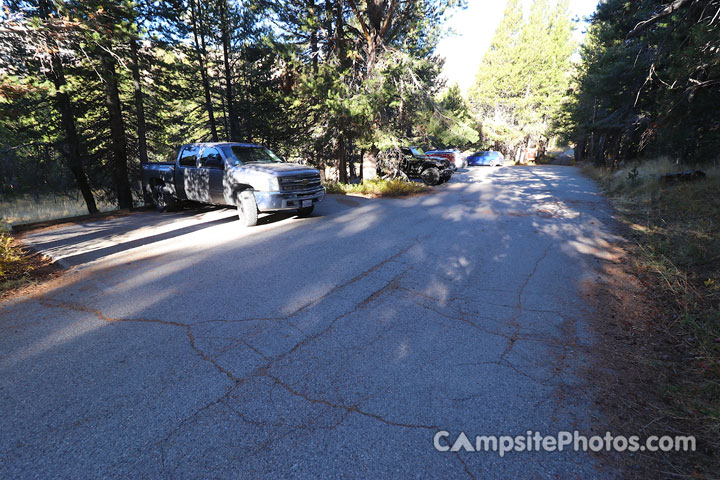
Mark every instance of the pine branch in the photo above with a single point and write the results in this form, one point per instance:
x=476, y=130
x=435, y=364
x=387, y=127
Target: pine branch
x=669, y=10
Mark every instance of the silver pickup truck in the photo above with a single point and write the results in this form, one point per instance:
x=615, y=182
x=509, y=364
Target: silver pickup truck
x=247, y=176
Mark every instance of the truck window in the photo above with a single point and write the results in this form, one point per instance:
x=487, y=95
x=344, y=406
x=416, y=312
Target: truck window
x=238, y=155
x=211, y=158
x=188, y=157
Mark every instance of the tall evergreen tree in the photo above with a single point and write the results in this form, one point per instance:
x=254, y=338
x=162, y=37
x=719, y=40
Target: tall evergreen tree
x=524, y=77
x=648, y=83
x=37, y=27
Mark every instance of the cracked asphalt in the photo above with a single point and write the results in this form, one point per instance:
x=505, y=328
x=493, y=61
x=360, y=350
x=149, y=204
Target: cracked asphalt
x=184, y=346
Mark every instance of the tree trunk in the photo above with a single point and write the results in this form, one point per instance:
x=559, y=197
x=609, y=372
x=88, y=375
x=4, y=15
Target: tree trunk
x=67, y=118
x=329, y=26
x=342, y=57
x=226, y=125
x=139, y=104
x=313, y=36
x=140, y=113
x=340, y=35
x=232, y=122
x=314, y=51
x=600, y=152
x=591, y=153
x=199, y=38
x=118, y=140
x=579, y=150
x=342, y=161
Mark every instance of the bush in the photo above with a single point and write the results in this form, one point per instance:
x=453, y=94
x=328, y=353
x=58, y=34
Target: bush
x=10, y=254
x=378, y=187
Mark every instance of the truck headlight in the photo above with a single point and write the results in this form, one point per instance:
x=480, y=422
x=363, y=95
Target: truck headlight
x=273, y=185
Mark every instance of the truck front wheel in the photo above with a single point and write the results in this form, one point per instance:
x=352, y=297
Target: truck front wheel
x=305, y=212
x=247, y=208
x=430, y=176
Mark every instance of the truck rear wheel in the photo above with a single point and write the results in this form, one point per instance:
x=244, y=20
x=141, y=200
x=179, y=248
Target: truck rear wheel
x=162, y=199
x=430, y=176
x=247, y=208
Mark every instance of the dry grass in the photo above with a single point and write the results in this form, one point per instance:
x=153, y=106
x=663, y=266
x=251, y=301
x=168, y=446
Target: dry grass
x=10, y=254
x=675, y=230
x=26, y=209
x=19, y=267
x=378, y=188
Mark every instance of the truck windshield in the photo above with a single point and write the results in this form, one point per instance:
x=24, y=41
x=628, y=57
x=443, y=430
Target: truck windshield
x=238, y=155
x=417, y=151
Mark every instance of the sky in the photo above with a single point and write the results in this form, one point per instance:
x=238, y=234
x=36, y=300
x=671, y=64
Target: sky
x=474, y=28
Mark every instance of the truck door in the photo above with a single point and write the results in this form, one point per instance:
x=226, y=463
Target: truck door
x=213, y=165
x=195, y=180
x=186, y=159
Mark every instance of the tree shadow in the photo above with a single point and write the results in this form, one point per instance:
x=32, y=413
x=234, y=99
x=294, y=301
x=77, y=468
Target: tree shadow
x=371, y=306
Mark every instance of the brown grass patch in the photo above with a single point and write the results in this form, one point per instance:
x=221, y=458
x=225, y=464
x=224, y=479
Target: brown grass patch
x=659, y=320
x=20, y=268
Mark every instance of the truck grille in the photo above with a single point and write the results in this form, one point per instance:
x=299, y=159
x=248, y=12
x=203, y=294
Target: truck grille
x=296, y=183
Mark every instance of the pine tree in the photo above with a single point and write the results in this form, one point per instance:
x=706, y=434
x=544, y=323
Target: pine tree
x=523, y=79
x=648, y=83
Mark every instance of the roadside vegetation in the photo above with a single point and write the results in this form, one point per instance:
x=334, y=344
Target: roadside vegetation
x=378, y=188
x=648, y=83
x=645, y=101
x=27, y=209
x=10, y=254
x=19, y=267
x=673, y=228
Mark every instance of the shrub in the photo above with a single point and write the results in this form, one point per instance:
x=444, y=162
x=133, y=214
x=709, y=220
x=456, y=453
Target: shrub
x=378, y=187
x=9, y=254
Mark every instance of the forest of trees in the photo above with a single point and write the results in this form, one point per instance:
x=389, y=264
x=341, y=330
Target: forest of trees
x=648, y=84
x=91, y=89
x=523, y=81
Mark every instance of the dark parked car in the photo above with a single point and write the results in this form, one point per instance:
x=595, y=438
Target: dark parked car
x=454, y=156
x=430, y=169
x=247, y=176
x=490, y=158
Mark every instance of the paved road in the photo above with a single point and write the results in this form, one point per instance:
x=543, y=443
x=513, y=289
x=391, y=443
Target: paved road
x=181, y=345
x=565, y=158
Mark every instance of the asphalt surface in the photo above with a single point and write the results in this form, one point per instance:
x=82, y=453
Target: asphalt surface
x=182, y=345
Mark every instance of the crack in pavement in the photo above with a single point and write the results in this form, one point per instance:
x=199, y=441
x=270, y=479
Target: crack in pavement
x=519, y=306
x=294, y=427
x=461, y=318
x=465, y=466
x=347, y=408
x=262, y=371
x=187, y=327
x=187, y=420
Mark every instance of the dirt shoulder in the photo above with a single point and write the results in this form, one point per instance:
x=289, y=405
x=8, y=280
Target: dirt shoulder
x=652, y=373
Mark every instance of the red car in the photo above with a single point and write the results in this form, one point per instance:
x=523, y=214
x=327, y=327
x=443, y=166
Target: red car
x=456, y=159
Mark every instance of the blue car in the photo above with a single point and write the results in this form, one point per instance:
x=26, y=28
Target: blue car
x=493, y=159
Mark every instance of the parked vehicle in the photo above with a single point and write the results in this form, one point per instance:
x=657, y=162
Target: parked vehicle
x=430, y=169
x=454, y=156
x=493, y=159
x=247, y=176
